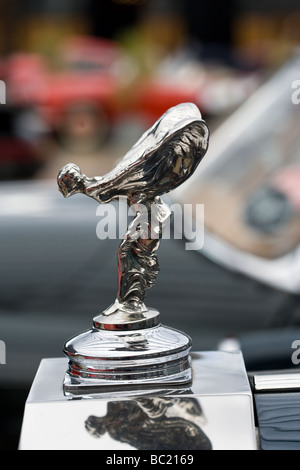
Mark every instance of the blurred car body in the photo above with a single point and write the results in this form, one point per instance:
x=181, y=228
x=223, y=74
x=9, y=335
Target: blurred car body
x=19, y=157
x=249, y=186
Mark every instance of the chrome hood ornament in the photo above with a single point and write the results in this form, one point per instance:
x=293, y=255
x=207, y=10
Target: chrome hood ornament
x=127, y=344
x=131, y=382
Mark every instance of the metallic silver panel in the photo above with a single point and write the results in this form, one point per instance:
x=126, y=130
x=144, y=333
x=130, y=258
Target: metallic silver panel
x=214, y=413
x=277, y=381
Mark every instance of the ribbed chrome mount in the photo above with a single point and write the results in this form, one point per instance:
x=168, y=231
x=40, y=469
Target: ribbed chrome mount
x=123, y=353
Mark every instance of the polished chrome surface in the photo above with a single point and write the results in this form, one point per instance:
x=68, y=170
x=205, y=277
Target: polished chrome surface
x=127, y=344
x=99, y=359
x=215, y=411
x=117, y=318
x=277, y=381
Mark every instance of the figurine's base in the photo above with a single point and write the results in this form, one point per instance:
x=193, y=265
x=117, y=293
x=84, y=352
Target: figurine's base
x=98, y=358
x=81, y=387
x=215, y=412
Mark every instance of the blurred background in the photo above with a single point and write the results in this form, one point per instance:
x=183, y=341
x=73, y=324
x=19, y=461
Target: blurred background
x=83, y=80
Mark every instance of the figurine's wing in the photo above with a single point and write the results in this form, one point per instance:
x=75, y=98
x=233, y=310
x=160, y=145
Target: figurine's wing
x=169, y=123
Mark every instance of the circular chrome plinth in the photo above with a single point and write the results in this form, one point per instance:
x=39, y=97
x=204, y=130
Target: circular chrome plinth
x=151, y=356
x=127, y=321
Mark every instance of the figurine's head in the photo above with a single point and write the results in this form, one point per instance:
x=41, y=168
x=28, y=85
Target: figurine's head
x=70, y=180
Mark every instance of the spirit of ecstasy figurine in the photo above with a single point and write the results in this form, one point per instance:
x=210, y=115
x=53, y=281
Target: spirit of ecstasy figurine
x=127, y=345
x=131, y=382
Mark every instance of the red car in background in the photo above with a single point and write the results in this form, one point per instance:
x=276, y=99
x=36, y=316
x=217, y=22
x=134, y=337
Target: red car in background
x=93, y=82
x=75, y=92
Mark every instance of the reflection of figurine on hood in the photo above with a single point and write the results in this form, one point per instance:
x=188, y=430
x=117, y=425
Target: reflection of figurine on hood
x=153, y=423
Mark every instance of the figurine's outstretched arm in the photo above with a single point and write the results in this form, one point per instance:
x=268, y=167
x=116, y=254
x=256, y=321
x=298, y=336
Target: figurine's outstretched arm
x=71, y=181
